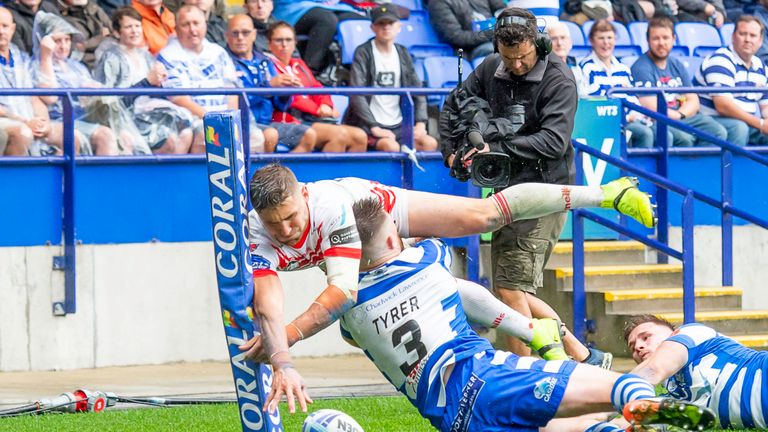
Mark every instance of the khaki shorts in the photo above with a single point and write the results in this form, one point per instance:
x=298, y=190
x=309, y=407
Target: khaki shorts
x=520, y=250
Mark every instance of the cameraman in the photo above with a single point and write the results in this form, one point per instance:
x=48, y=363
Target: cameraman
x=521, y=76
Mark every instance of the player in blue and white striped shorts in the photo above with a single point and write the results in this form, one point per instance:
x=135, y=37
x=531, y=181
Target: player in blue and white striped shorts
x=409, y=320
x=697, y=364
x=742, y=114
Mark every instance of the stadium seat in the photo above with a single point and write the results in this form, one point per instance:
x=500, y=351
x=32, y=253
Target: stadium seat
x=340, y=102
x=638, y=31
x=704, y=52
x=420, y=38
x=351, y=34
x=726, y=31
x=409, y=4
x=694, y=35
x=418, y=64
x=679, y=51
x=441, y=72
x=476, y=62
x=629, y=60
x=581, y=51
x=691, y=64
x=622, y=34
x=576, y=34
x=621, y=51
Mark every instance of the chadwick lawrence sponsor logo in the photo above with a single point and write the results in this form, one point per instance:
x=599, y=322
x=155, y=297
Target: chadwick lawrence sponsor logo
x=566, y=191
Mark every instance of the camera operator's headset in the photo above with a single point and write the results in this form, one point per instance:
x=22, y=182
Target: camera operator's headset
x=542, y=42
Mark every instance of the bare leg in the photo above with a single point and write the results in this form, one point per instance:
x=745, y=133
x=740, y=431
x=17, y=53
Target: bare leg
x=270, y=139
x=198, y=143
x=388, y=145
x=426, y=143
x=103, y=142
x=573, y=346
x=588, y=391
x=581, y=423
x=307, y=143
x=330, y=138
x=358, y=139
x=19, y=139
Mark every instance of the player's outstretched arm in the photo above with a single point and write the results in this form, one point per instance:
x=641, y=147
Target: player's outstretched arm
x=324, y=311
x=668, y=358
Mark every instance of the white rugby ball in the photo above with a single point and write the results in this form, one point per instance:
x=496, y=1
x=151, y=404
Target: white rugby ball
x=329, y=420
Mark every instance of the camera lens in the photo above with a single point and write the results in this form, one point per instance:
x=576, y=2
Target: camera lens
x=488, y=171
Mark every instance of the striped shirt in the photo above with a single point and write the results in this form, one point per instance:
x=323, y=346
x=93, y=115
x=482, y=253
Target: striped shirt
x=724, y=68
x=596, y=79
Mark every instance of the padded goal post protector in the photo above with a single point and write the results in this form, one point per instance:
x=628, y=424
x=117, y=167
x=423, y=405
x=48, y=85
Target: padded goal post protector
x=228, y=185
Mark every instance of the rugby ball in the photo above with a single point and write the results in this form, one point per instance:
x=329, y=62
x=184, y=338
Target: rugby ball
x=328, y=420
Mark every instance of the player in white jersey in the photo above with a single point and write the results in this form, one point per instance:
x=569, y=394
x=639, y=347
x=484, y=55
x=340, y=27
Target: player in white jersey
x=409, y=320
x=695, y=363
x=296, y=226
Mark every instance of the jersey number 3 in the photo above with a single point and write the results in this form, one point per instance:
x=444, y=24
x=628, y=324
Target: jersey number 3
x=410, y=327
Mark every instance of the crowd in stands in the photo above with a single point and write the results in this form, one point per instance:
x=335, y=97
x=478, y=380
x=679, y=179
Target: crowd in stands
x=285, y=43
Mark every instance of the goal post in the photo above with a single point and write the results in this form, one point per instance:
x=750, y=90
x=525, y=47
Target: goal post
x=228, y=186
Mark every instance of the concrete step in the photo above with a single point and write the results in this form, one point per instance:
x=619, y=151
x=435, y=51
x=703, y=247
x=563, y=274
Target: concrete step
x=754, y=341
x=731, y=322
x=617, y=277
x=669, y=300
x=599, y=253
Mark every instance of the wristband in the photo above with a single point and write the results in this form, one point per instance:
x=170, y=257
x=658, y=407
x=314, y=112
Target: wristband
x=682, y=116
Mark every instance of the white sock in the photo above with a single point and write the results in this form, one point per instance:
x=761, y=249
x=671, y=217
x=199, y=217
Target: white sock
x=483, y=308
x=534, y=200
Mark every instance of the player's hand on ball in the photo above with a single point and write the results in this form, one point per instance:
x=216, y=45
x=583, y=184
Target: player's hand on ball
x=287, y=381
x=255, y=350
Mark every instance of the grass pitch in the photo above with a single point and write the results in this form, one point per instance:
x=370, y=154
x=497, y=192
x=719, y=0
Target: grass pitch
x=373, y=413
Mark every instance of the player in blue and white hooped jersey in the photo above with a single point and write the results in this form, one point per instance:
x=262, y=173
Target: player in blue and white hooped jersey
x=408, y=319
x=697, y=364
x=742, y=114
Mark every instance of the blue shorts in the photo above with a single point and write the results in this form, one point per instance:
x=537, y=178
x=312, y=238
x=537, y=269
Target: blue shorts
x=289, y=134
x=500, y=391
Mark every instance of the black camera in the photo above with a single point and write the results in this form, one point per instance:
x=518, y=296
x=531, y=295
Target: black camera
x=492, y=169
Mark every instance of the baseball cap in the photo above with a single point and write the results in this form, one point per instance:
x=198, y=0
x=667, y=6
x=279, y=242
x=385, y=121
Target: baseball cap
x=385, y=11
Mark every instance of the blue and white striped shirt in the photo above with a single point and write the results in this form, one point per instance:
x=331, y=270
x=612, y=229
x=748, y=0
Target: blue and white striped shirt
x=724, y=68
x=596, y=79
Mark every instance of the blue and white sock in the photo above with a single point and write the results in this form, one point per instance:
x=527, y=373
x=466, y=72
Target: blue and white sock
x=628, y=388
x=604, y=427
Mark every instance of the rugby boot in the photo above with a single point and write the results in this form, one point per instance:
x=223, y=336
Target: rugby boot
x=654, y=428
x=670, y=412
x=548, y=339
x=623, y=195
x=599, y=358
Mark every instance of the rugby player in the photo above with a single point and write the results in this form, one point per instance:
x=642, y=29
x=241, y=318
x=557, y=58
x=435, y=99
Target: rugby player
x=295, y=226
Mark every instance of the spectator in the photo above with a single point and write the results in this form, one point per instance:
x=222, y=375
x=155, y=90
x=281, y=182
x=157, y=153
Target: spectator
x=761, y=12
x=261, y=13
x=91, y=21
x=55, y=69
x=657, y=69
x=316, y=111
x=742, y=114
x=547, y=11
x=255, y=70
x=24, y=15
x=219, y=6
x=453, y=20
x=711, y=11
x=111, y=6
x=601, y=70
x=157, y=22
x=164, y=126
x=194, y=62
x=217, y=26
x=561, y=43
x=382, y=63
x=318, y=20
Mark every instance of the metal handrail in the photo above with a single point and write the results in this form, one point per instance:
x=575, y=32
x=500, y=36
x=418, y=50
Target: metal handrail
x=69, y=161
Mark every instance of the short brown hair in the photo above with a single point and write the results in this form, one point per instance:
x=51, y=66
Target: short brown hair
x=515, y=34
x=369, y=216
x=125, y=11
x=276, y=25
x=271, y=185
x=750, y=18
x=600, y=26
x=638, y=320
x=660, y=22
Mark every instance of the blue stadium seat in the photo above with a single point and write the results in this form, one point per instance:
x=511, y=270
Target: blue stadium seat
x=576, y=34
x=476, y=62
x=351, y=34
x=420, y=38
x=694, y=35
x=726, y=31
x=704, y=51
x=409, y=4
x=621, y=51
x=679, y=51
x=629, y=60
x=691, y=64
x=580, y=51
x=441, y=72
x=418, y=64
x=622, y=34
x=638, y=31
x=340, y=102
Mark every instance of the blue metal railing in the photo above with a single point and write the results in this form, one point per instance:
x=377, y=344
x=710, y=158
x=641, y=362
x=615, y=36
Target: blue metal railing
x=724, y=204
x=70, y=160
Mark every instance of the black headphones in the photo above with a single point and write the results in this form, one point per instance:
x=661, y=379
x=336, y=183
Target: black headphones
x=542, y=42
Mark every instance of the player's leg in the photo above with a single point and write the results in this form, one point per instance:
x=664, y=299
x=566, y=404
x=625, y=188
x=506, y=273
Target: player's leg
x=452, y=216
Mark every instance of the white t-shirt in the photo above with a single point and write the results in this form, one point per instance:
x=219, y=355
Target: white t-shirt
x=386, y=108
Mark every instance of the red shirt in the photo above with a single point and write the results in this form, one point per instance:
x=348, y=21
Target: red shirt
x=309, y=104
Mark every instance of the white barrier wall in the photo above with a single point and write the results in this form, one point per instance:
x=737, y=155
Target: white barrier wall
x=158, y=302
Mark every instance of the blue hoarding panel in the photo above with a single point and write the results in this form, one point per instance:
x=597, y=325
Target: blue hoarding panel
x=30, y=208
